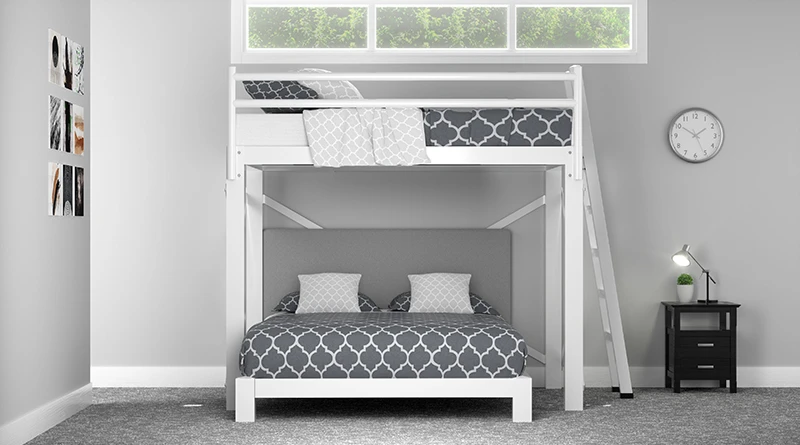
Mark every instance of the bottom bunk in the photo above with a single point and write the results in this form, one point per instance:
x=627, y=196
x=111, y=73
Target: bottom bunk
x=383, y=355
x=518, y=389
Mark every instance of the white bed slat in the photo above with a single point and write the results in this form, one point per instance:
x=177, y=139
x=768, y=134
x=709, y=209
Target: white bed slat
x=404, y=103
x=414, y=77
x=442, y=156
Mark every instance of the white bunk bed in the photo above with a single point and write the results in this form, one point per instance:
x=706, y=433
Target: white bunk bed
x=256, y=146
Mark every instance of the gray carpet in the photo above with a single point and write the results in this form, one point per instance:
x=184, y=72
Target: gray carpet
x=655, y=416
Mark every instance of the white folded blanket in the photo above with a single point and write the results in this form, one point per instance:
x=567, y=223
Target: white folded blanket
x=366, y=136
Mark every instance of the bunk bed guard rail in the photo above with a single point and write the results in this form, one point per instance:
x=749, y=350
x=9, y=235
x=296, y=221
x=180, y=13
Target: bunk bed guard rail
x=574, y=75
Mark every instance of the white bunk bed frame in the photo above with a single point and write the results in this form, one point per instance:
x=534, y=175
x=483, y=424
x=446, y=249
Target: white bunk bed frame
x=563, y=248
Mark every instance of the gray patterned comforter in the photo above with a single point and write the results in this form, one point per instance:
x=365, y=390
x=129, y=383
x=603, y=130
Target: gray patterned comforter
x=382, y=345
x=538, y=127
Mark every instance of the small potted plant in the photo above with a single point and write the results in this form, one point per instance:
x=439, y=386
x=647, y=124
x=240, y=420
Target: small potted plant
x=685, y=288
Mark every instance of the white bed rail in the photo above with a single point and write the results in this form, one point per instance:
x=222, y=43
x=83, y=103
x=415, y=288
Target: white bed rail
x=414, y=77
x=574, y=75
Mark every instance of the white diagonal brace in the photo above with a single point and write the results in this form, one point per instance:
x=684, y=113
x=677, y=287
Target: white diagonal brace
x=289, y=213
x=536, y=355
x=519, y=214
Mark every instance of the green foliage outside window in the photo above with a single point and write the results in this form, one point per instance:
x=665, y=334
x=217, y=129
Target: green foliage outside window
x=439, y=27
x=298, y=27
x=444, y=27
x=573, y=27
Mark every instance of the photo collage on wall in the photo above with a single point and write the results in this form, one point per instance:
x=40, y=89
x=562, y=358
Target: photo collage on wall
x=66, y=60
x=65, y=194
x=66, y=126
x=65, y=183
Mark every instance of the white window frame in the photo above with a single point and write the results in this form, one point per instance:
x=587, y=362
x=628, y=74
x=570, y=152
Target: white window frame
x=240, y=54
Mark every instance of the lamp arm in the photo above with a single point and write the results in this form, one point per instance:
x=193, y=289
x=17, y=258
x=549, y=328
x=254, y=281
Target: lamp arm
x=705, y=271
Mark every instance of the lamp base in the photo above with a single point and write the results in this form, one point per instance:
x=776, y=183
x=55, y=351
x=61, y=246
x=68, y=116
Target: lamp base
x=708, y=301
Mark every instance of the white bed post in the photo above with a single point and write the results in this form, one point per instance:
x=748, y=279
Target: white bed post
x=234, y=254
x=254, y=239
x=554, y=279
x=573, y=258
x=245, y=399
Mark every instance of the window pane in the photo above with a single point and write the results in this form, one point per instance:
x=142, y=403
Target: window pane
x=574, y=27
x=307, y=27
x=442, y=27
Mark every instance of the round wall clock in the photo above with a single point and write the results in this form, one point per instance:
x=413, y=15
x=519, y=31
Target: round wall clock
x=696, y=135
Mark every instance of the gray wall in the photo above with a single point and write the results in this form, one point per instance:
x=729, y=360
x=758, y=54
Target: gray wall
x=158, y=251
x=158, y=239
x=44, y=261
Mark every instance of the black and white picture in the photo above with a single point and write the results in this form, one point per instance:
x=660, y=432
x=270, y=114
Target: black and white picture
x=56, y=123
x=67, y=127
x=55, y=57
x=78, y=191
x=67, y=65
x=66, y=60
x=66, y=171
x=54, y=189
x=77, y=56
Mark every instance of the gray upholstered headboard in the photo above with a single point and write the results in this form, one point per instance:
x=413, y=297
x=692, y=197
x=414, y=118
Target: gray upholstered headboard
x=385, y=257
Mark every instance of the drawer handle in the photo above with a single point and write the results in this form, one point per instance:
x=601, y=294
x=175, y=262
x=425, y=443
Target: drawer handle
x=705, y=366
x=705, y=345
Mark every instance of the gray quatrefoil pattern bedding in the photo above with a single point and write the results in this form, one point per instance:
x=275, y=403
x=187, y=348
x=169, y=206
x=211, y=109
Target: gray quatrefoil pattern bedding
x=538, y=127
x=382, y=345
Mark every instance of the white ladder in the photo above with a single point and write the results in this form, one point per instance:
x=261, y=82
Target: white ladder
x=603, y=265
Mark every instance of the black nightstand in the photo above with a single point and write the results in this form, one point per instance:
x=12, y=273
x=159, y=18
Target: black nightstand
x=702, y=354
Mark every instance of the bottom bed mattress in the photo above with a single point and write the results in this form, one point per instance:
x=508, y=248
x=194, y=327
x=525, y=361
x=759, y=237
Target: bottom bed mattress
x=382, y=345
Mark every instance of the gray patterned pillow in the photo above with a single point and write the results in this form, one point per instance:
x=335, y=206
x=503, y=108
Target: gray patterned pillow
x=440, y=293
x=279, y=89
x=330, y=89
x=402, y=303
x=290, y=301
x=328, y=292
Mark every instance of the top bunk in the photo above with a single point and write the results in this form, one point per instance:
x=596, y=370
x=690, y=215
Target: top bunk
x=318, y=118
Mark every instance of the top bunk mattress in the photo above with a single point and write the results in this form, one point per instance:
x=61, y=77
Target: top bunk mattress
x=443, y=127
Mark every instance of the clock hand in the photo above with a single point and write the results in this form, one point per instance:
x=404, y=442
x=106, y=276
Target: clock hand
x=689, y=131
x=697, y=135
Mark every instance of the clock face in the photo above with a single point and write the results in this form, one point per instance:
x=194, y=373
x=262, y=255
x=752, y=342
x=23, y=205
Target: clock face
x=696, y=135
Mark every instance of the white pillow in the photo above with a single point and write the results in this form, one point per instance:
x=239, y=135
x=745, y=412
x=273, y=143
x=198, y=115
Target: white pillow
x=330, y=89
x=440, y=292
x=328, y=292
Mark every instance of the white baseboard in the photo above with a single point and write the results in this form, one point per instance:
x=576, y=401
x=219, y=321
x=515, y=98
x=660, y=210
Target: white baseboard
x=595, y=377
x=653, y=377
x=45, y=417
x=747, y=377
x=158, y=377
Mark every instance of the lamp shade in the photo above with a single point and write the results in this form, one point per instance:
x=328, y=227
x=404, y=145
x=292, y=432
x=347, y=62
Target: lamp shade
x=681, y=257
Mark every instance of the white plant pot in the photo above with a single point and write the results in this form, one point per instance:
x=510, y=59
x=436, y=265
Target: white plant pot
x=685, y=292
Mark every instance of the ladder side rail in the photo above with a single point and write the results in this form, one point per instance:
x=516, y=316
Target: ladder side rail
x=604, y=255
x=598, y=276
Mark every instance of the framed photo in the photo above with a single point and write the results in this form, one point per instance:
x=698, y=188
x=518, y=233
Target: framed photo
x=54, y=190
x=77, y=130
x=56, y=123
x=66, y=171
x=55, y=57
x=79, y=191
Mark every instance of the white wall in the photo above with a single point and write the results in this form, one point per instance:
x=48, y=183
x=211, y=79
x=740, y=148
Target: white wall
x=44, y=261
x=158, y=251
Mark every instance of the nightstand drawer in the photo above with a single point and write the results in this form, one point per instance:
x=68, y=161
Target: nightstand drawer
x=704, y=368
x=712, y=347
